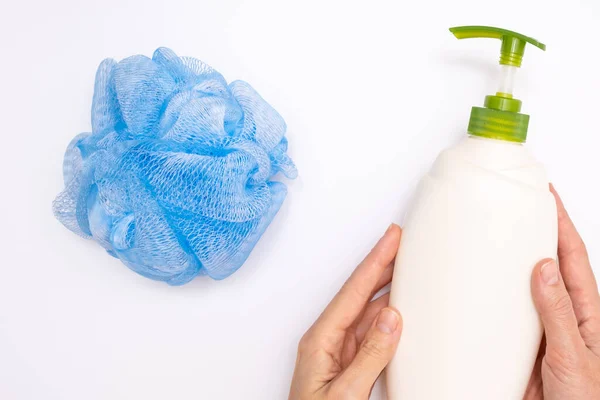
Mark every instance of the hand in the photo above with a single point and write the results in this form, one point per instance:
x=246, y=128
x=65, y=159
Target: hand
x=343, y=353
x=568, y=365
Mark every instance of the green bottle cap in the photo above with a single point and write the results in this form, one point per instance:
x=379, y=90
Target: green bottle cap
x=500, y=117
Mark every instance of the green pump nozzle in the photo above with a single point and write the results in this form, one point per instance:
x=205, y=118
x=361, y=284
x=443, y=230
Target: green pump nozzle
x=513, y=43
x=500, y=119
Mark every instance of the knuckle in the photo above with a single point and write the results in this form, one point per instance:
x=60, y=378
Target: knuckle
x=306, y=342
x=374, y=349
x=356, y=291
x=562, y=358
x=561, y=305
x=583, y=250
x=590, y=331
x=578, y=248
x=563, y=365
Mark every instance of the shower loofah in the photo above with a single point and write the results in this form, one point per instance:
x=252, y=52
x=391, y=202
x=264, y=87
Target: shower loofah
x=176, y=177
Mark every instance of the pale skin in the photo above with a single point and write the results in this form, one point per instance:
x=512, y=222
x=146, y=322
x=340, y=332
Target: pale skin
x=341, y=356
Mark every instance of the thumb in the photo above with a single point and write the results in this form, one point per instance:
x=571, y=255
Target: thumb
x=375, y=352
x=556, y=311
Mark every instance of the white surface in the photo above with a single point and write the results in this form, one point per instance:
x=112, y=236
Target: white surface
x=482, y=218
x=371, y=91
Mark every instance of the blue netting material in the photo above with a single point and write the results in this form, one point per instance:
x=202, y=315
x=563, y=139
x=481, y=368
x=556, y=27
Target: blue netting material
x=176, y=177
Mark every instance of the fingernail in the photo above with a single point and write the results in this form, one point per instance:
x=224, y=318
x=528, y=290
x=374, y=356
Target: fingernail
x=549, y=273
x=389, y=228
x=387, y=321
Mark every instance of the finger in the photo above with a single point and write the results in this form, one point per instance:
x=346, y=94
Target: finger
x=570, y=243
x=386, y=278
x=347, y=305
x=535, y=387
x=364, y=320
x=578, y=275
x=556, y=311
x=370, y=314
x=374, y=354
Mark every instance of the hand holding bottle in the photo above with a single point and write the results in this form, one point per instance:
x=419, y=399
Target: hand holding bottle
x=343, y=353
x=567, y=299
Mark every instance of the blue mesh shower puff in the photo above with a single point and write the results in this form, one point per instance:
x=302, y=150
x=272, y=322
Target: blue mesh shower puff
x=176, y=177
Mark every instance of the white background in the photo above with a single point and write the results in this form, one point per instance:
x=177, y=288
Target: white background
x=371, y=92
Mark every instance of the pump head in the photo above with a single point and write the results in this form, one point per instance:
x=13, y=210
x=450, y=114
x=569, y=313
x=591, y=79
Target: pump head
x=501, y=117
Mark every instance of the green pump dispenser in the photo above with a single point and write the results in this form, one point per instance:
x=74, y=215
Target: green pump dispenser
x=500, y=118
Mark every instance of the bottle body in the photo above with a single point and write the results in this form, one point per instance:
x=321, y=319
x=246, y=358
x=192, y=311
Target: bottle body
x=480, y=221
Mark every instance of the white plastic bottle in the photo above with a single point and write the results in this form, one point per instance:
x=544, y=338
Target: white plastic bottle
x=480, y=221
